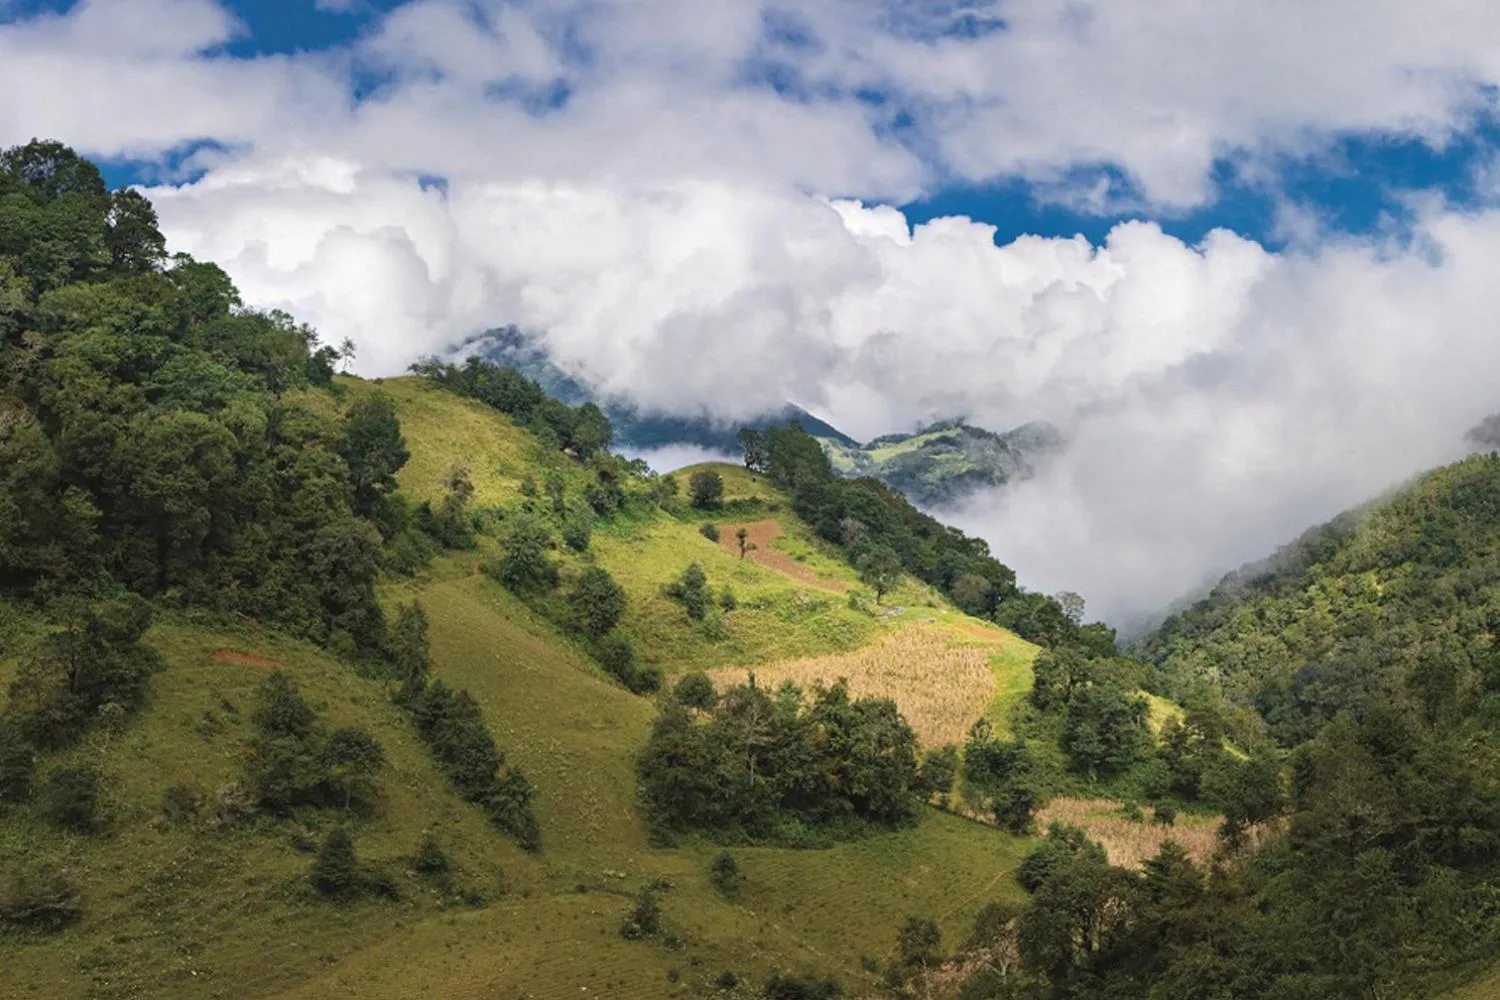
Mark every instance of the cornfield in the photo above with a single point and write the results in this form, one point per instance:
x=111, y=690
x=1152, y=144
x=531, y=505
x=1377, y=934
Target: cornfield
x=940, y=685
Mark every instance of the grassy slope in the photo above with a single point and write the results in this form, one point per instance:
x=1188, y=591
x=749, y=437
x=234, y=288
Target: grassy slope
x=173, y=912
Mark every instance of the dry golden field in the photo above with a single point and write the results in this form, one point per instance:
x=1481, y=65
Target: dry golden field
x=940, y=682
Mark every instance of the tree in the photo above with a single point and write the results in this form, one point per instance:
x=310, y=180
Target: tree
x=743, y=537
x=597, y=602
x=692, y=590
x=1104, y=730
x=346, y=353
x=917, y=944
x=18, y=759
x=408, y=648
x=939, y=770
x=577, y=530
x=726, y=875
x=695, y=690
x=592, y=432
x=352, y=759
x=880, y=570
x=335, y=871
x=374, y=449
x=557, y=490
x=135, y=243
x=706, y=487
x=1072, y=606
x=525, y=565
x=974, y=595
x=753, y=444
x=279, y=709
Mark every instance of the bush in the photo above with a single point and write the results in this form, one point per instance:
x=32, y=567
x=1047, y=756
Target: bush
x=695, y=690
x=726, y=875
x=182, y=803
x=1062, y=845
x=71, y=799
x=430, y=858
x=645, y=916
x=706, y=488
x=938, y=771
x=647, y=679
x=18, y=760
x=780, y=987
x=727, y=600
x=597, y=602
x=710, y=531
x=335, y=872
x=525, y=565
x=576, y=533
x=38, y=898
x=691, y=589
x=1165, y=814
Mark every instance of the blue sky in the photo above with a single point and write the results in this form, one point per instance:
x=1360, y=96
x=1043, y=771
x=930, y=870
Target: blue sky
x=1283, y=302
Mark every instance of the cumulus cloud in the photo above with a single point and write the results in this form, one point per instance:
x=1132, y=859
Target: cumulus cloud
x=663, y=191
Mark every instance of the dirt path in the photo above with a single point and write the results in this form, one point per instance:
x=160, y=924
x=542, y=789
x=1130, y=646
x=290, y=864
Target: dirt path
x=761, y=534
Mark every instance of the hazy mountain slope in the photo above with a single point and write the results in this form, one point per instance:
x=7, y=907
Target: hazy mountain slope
x=945, y=462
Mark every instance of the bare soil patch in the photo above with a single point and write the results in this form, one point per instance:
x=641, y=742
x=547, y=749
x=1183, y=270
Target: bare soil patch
x=761, y=534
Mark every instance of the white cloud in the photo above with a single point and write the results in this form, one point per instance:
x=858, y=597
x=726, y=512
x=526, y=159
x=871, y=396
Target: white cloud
x=665, y=225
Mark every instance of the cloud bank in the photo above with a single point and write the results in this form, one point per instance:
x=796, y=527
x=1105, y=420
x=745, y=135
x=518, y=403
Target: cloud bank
x=665, y=192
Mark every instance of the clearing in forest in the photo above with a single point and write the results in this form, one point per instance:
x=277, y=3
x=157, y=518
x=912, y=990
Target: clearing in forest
x=1129, y=842
x=759, y=536
x=940, y=683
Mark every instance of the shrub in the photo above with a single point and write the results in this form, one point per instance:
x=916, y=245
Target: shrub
x=726, y=875
x=645, y=916
x=1165, y=814
x=695, y=690
x=525, y=565
x=706, y=488
x=335, y=872
x=430, y=858
x=691, y=589
x=780, y=987
x=70, y=799
x=1062, y=845
x=727, y=600
x=710, y=531
x=182, y=803
x=18, y=760
x=38, y=898
x=597, y=602
x=647, y=679
x=938, y=771
x=576, y=533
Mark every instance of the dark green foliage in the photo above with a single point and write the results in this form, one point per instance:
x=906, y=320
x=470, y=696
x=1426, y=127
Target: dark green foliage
x=938, y=771
x=725, y=874
x=691, y=589
x=525, y=565
x=18, y=761
x=71, y=799
x=1104, y=730
x=709, y=530
x=917, y=943
x=1002, y=776
x=695, y=690
x=706, y=489
x=727, y=600
x=585, y=431
x=147, y=443
x=644, y=920
x=335, y=872
x=1164, y=814
x=1062, y=846
x=760, y=762
x=617, y=656
x=993, y=921
x=430, y=858
x=879, y=569
x=785, y=987
x=294, y=762
x=1247, y=791
x=38, y=897
x=96, y=660
x=596, y=602
x=374, y=450
x=182, y=803
x=407, y=649
x=576, y=532
x=452, y=726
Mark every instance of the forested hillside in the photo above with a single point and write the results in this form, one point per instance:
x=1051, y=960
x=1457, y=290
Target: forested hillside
x=317, y=686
